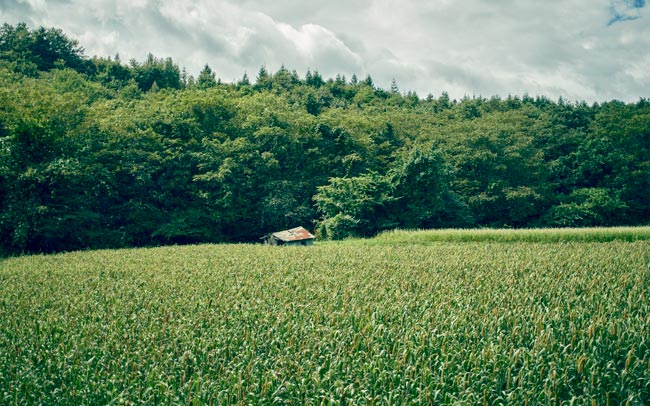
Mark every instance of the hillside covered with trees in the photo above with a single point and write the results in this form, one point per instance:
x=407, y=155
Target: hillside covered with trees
x=99, y=153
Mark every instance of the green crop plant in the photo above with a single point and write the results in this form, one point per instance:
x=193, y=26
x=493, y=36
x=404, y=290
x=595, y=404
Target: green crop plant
x=541, y=235
x=447, y=323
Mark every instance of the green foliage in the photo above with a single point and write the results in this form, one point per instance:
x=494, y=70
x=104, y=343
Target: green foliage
x=111, y=73
x=156, y=73
x=353, y=206
x=206, y=78
x=42, y=49
x=97, y=153
x=588, y=207
x=499, y=172
x=43, y=176
x=422, y=190
x=338, y=227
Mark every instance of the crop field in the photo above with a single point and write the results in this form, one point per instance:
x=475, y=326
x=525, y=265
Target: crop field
x=542, y=235
x=486, y=323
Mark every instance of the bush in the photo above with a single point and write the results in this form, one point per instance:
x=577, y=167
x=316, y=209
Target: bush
x=338, y=227
x=588, y=207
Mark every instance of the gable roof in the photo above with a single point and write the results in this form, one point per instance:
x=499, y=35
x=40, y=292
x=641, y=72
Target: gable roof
x=295, y=234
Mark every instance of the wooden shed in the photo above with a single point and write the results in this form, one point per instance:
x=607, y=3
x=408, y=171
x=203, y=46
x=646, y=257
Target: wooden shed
x=294, y=236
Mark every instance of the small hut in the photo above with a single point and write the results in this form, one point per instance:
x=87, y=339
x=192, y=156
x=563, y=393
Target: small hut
x=295, y=236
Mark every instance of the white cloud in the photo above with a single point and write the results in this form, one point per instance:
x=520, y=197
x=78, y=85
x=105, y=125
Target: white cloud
x=556, y=48
x=314, y=43
x=38, y=5
x=639, y=70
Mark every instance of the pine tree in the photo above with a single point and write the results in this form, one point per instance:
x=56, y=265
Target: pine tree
x=263, y=79
x=393, y=87
x=206, y=78
x=244, y=81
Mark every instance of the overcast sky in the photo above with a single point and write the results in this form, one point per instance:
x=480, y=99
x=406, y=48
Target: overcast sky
x=592, y=50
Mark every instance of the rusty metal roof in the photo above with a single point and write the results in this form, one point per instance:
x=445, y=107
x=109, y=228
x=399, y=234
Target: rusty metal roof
x=295, y=234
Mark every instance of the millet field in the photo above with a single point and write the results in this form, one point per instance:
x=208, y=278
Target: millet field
x=468, y=323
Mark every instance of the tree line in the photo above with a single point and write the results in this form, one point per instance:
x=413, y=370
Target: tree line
x=98, y=153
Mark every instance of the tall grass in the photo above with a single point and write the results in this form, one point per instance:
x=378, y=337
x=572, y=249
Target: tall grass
x=447, y=324
x=545, y=235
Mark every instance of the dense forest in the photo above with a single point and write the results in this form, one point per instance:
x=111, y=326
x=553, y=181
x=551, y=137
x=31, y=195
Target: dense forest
x=98, y=153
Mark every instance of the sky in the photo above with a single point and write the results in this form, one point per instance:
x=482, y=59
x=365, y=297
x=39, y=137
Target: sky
x=591, y=50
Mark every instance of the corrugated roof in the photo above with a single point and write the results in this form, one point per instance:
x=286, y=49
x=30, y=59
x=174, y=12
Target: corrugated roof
x=295, y=234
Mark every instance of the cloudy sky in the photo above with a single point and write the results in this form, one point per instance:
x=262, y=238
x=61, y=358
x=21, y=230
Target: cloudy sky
x=593, y=50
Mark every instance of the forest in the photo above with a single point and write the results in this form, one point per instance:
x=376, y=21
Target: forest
x=100, y=153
